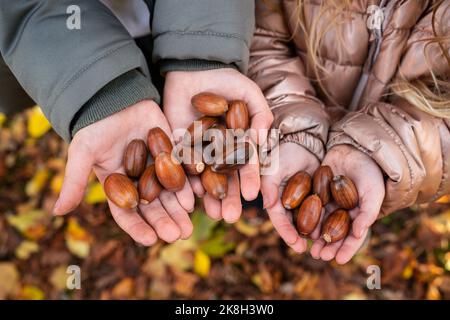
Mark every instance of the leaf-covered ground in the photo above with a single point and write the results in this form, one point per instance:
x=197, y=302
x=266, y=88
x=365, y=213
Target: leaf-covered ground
x=243, y=261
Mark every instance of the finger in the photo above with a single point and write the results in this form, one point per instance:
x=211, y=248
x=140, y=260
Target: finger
x=78, y=169
x=213, y=207
x=164, y=226
x=270, y=185
x=186, y=197
x=329, y=251
x=178, y=214
x=316, y=248
x=282, y=222
x=197, y=187
x=231, y=205
x=250, y=181
x=350, y=246
x=369, y=209
x=261, y=116
x=130, y=222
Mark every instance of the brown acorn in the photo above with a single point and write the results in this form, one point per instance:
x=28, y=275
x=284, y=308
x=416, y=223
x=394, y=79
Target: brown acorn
x=170, y=172
x=309, y=214
x=215, y=184
x=121, y=190
x=297, y=188
x=210, y=104
x=194, y=164
x=321, y=183
x=344, y=192
x=135, y=158
x=237, y=115
x=158, y=141
x=336, y=226
x=234, y=159
x=149, y=186
x=196, y=136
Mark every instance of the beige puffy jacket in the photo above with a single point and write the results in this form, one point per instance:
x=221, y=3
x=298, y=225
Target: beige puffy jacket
x=411, y=147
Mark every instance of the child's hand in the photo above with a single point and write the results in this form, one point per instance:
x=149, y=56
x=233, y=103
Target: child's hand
x=100, y=146
x=180, y=87
x=368, y=179
x=289, y=159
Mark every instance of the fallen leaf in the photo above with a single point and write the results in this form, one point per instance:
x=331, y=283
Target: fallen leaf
x=439, y=224
x=245, y=228
x=124, y=289
x=203, y=225
x=58, y=277
x=30, y=292
x=9, y=278
x=2, y=119
x=202, y=263
x=95, y=194
x=178, y=255
x=25, y=249
x=78, y=240
x=37, y=183
x=56, y=183
x=38, y=125
x=31, y=224
x=444, y=199
x=217, y=247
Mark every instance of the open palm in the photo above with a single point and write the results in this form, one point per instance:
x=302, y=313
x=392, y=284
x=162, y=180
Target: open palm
x=100, y=147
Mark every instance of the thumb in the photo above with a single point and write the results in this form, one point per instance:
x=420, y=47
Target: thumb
x=78, y=169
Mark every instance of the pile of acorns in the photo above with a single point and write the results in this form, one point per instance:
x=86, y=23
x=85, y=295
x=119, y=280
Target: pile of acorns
x=325, y=187
x=169, y=171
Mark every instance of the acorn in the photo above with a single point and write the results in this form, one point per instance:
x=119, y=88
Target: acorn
x=135, y=158
x=344, y=192
x=336, y=226
x=215, y=184
x=193, y=164
x=170, y=172
x=309, y=214
x=210, y=104
x=321, y=183
x=234, y=159
x=158, y=141
x=200, y=126
x=297, y=188
x=149, y=186
x=121, y=190
x=237, y=115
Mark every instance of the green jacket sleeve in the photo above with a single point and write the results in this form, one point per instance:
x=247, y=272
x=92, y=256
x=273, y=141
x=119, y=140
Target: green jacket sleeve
x=217, y=31
x=62, y=69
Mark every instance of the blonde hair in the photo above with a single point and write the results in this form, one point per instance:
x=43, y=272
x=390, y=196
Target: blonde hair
x=432, y=95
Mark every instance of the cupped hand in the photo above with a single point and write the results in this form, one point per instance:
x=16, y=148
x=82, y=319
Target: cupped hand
x=180, y=87
x=368, y=178
x=100, y=146
x=286, y=160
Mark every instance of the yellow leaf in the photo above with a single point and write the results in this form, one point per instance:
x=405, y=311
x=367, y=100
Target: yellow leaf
x=31, y=224
x=37, y=183
x=433, y=292
x=440, y=223
x=2, y=119
x=245, y=228
x=95, y=194
x=30, y=292
x=178, y=255
x=447, y=261
x=78, y=240
x=58, y=278
x=56, y=183
x=202, y=263
x=354, y=296
x=25, y=249
x=38, y=124
x=444, y=199
x=124, y=289
x=407, y=272
x=9, y=278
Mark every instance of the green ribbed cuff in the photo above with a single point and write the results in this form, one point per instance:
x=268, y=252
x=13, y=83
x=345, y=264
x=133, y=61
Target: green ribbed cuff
x=169, y=65
x=122, y=92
